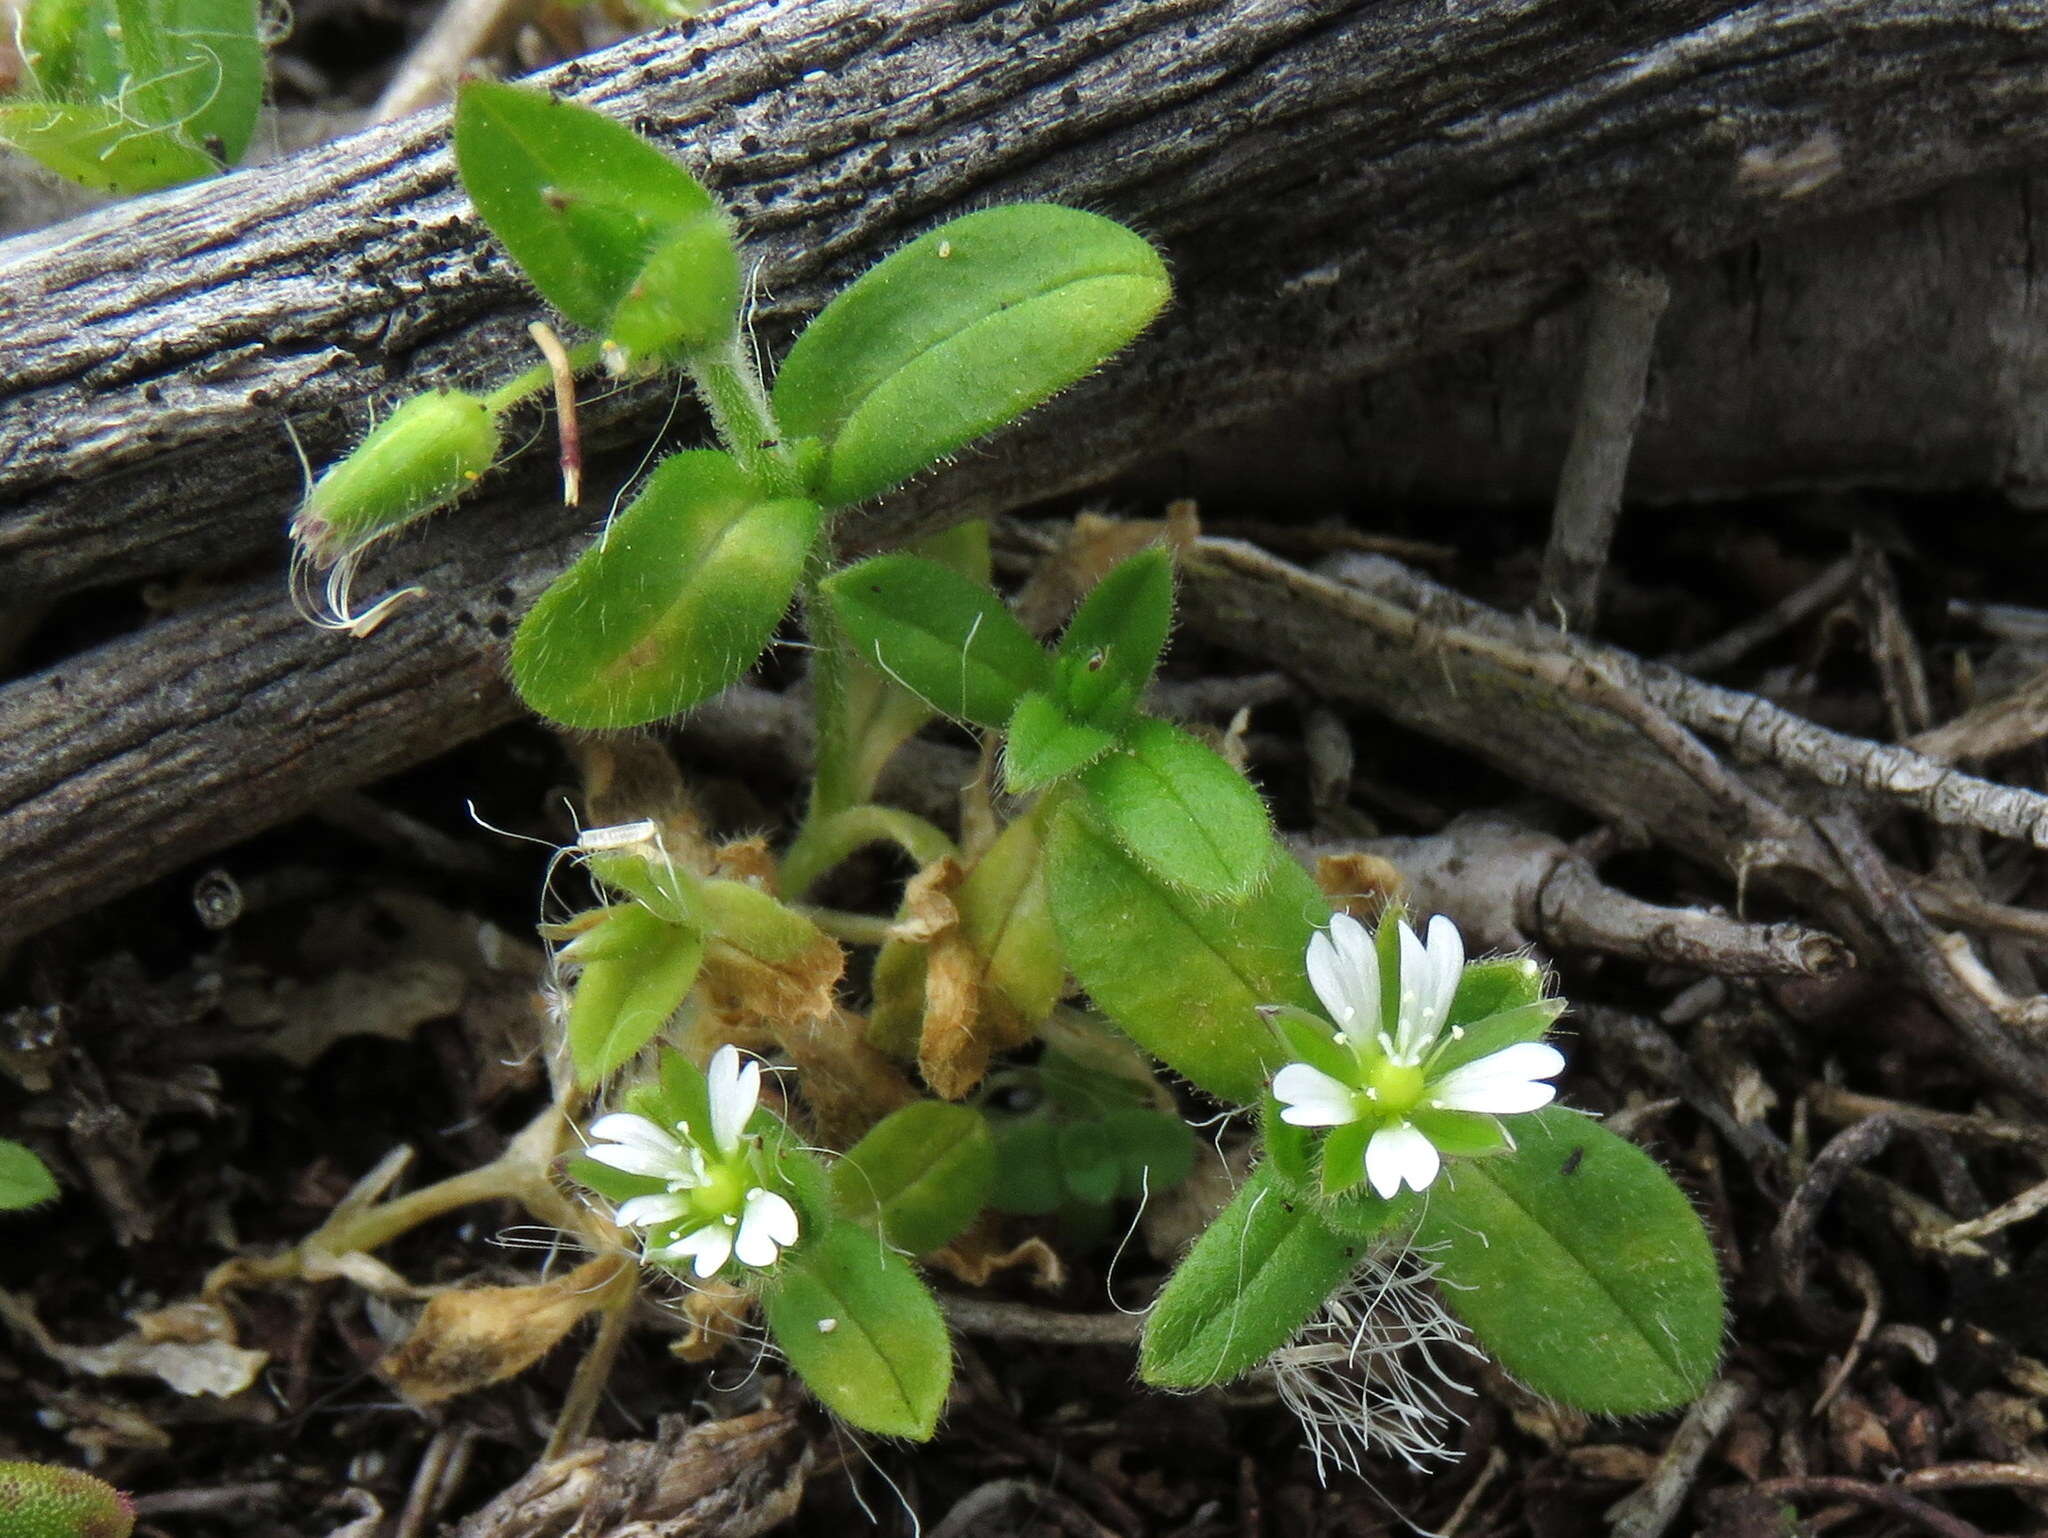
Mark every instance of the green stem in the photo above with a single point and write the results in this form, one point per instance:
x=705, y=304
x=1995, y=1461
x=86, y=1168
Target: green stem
x=732, y=391
x=823, y=843
x=536, y=379
x=847, y=927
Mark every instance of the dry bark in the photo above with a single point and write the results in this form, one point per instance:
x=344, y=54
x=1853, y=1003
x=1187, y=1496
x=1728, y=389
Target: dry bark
x=1342, y=186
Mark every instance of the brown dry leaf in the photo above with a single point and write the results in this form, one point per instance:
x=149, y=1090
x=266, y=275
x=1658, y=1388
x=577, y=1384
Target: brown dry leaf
x=190, y=1347
x=975, y=1257
x=952, y=1053
x=1858, y=1437
x=716, y=1313
x=768, y=989
x=848, y=1084
x=1094, y=545
x=634, y=779
x=478, y=1336
x=1747, y=1447
x=746, y=859
x=1360, y=884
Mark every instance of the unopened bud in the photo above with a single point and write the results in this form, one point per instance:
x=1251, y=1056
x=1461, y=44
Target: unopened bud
x=420, y=458
x=43, y=1501
x=686, y=297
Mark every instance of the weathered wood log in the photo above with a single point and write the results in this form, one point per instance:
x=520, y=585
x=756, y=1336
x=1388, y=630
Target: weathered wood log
x=1341, y=185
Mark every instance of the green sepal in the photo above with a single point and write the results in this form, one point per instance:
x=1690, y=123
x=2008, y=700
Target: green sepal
x=1469, y=1043
x=1111, y=646
x=1290, y=1150
x=1343, y=1164
x=1306, y=1037
x=1028, y=1180
x=1493, y=986
x=657, y=883
x=579, y=200
x=671, y=605
x=950, y=641
x=25, y=1181
x=920, y=1175
x=964, y=329
x=860, y=1329
x=1175, y=804
x=422, y=457
x=1154, y=1151
x=1462, y=1134
x=1251, y=1281
x=636, y=974
x=1182, y=977
x=1363, y=1215
x=614, y=1185
x=1580, y=1267
x=1044, y=744
x=755, y=923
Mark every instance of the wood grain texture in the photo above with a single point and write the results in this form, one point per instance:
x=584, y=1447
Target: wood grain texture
x=1341, y=186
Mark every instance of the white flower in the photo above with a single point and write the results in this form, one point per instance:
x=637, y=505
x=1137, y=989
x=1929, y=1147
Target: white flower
x=1392, y=1082
x=711, y=1199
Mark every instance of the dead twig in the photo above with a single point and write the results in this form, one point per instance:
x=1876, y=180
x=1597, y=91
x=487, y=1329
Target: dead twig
x=1890, y=1498
x=1650, y=1510
x=1626, y=305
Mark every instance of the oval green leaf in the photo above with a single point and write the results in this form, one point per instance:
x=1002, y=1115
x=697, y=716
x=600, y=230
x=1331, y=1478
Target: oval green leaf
x=1184, y=978
x=920, y=1176
x=1252, y=1279
x=25, y=1181
x=862, y=1331
x=961, y=331
x=1044, y=744
x=949, y=640
x=1581, y=1267
x=672, y=605
x=1116, y=636
x=579, y=200
x=1175, y=804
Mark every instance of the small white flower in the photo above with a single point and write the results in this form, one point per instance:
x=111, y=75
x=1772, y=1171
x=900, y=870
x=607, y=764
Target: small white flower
x=713, y=1180
x=1393, y=1080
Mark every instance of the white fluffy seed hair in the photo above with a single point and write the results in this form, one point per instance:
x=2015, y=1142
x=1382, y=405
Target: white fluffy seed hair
x=1365, y=1376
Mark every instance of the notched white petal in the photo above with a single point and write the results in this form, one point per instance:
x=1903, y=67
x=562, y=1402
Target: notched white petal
x=635, y=1160
x=735, y=1092
x=1311, y=1098
x=651, y=1211
x=707, y=1248
x=767, y=1224
x=1503, y=1083
x=1400, y=1155
x=625, y=1127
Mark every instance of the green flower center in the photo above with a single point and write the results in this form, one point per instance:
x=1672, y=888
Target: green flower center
x=1397, y=1087
x=724, y=1190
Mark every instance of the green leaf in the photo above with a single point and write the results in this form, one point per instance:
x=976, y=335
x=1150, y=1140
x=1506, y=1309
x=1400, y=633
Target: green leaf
x=1182, y=977
x=40, y=1500
x=1363, y=1214
x=1111, y=646
x=961, y=331
x=1581, y=1267
x=636, y=973
x=1182, y=810
x=862, y=1331
x=920, y=1175
x=1088, y=1162
x=96, y=147
x=950, y=641
x=1006, y=917
x=669, y=607
x=1343, y=1163
x=1044, y=744
x=1155, y=1151
x=686, y=298
x=1028, y=1180
x=579, y=200
x=1252, y=1279
x=71, y=51
x=25, y=1181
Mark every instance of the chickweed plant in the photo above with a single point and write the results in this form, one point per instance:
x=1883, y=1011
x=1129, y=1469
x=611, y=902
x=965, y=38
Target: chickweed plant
x=125, y=96
x=727, y=1119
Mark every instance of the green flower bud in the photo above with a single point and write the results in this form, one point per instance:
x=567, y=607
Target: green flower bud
x=423, y=456
x=42, y=1501
x=687, y=296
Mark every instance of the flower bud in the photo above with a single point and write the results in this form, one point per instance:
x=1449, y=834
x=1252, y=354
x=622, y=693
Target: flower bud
x=423, y=456
x=43, y=1501
x=686, y=297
